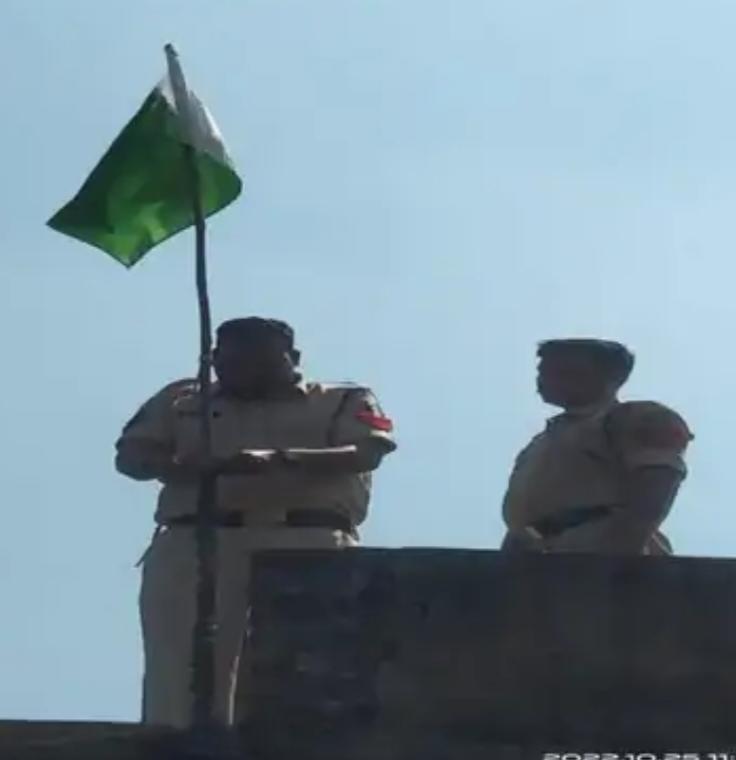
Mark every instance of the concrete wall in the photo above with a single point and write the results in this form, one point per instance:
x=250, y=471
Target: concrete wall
x=465, y=655
x=428, y=651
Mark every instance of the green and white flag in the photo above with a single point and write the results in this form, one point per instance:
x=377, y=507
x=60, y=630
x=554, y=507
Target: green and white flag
x=140, y=192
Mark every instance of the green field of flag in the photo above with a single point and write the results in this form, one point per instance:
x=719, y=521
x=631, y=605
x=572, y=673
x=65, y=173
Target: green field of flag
x=139, y=194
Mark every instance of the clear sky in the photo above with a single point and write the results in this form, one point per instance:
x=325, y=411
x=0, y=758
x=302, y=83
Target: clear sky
x=431, y=188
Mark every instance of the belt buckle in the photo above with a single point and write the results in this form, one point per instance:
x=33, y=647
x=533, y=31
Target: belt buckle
x=534, y=533
x=539, y=537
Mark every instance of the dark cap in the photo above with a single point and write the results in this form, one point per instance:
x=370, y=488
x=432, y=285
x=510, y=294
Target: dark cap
x=614, y=357
x=255, y=328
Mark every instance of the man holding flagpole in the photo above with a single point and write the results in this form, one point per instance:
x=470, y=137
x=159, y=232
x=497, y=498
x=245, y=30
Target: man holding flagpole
x=292, y=462
x=283, y=463
x=168, y=170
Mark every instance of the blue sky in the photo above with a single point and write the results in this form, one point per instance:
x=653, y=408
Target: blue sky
x=431, y=188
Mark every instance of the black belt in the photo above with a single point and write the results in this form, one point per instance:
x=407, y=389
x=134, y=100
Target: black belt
x=570, y=518
x=298, y=518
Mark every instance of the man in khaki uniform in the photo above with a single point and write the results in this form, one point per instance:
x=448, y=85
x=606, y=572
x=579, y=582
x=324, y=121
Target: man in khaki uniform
x=603, y=475
x=293, y=463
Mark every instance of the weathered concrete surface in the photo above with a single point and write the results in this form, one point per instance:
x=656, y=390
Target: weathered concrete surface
x=465, y=655
x=37, y=740
x=438, y=649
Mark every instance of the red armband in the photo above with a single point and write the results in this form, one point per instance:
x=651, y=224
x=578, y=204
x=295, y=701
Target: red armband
x=375, y=421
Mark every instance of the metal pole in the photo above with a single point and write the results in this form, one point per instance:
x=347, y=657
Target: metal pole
x=205, y=628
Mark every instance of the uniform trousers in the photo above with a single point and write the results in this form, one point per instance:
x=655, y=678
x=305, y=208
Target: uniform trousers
x=168, y=612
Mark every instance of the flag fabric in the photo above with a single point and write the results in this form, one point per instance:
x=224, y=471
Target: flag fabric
x=139, y=194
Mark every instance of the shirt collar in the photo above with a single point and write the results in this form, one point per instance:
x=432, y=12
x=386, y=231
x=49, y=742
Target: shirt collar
x=300, y=389
x=583, y=412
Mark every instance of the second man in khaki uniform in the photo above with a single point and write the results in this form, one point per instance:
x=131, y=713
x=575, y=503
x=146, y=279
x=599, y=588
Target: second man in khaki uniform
x=294, y=463
x=603, y=475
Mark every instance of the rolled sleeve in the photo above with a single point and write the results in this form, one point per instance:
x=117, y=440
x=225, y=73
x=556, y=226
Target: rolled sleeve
x=359, y=418
x=655, y=458
x=648, y=434
x=150, y=427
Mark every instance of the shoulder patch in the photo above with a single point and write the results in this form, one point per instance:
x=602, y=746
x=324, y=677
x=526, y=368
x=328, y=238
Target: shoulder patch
x=370, y=413
x=647, y=424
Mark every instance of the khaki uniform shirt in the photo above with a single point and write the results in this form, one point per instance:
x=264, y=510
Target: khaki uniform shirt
x=582, y=459
x=314, y=416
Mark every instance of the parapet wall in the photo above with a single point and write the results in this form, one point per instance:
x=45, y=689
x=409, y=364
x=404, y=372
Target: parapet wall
x=465, y=655
x=430, y=651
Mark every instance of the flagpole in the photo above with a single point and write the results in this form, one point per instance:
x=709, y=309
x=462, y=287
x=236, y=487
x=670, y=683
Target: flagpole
x=205, y=628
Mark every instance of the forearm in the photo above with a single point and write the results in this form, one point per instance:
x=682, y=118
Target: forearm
x=649, y=497
x=627, y=533
x=335, y=460
x=147, y=462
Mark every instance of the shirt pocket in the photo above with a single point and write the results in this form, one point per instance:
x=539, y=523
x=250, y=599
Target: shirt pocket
x=186, y=426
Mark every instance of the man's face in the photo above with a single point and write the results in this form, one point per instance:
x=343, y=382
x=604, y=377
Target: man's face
x=253, y=364
x=571, y=379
